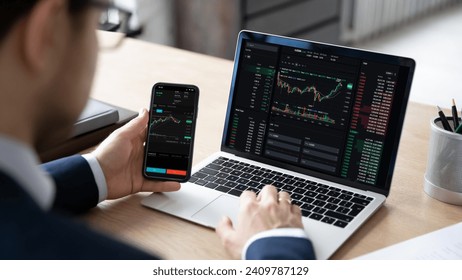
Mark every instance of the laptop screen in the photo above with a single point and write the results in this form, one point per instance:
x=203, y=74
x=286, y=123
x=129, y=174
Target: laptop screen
x=326, y=111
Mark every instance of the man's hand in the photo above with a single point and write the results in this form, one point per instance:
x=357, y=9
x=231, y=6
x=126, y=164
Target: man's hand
x=268, y=210
x=121, y=158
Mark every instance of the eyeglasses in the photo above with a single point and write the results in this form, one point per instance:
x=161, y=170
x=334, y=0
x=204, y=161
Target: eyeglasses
x=114, y=19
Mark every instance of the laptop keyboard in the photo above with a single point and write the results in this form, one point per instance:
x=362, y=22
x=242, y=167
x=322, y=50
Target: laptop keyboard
x=317, y=201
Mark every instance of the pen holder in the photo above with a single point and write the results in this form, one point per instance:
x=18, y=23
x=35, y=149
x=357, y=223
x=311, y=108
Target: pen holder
x=443, y=178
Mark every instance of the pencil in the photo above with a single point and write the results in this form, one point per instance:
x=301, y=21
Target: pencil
x=455, y=117
x=444, y=121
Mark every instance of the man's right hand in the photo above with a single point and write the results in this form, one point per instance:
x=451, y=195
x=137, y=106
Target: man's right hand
x=268, y=210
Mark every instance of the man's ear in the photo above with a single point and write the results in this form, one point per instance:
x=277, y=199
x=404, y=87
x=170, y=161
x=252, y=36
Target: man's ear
x=42, y=31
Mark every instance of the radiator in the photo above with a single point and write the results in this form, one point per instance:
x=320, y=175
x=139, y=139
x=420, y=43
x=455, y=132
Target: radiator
x=362, y=19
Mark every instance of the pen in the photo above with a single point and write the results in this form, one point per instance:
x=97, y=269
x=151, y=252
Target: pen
x=455, y=117
x=444, y=121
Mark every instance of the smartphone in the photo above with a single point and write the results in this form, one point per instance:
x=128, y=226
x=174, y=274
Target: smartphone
x=170, y=134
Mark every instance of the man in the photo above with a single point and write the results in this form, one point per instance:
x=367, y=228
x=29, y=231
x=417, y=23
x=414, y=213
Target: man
x=47, y=61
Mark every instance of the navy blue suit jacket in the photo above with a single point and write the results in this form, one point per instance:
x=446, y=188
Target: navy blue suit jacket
x=28, y=232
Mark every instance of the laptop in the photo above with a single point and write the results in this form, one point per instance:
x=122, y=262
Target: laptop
x=319, y=121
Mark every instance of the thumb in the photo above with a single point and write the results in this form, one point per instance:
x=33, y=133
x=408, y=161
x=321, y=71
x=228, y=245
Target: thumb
x=227, y=234
x=138, y=124
x=225, y=229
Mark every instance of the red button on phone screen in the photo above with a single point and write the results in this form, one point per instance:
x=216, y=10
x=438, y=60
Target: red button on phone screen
x=176, y=172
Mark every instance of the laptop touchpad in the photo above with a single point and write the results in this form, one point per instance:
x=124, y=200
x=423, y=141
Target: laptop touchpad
x=212, y=214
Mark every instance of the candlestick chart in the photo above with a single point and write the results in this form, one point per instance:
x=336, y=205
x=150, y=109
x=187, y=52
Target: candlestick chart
x=168, y=126
x=314, y=97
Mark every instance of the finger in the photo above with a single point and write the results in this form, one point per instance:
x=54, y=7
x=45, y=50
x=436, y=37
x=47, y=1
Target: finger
x=224, y=229
x=142, y=133
x=226, y=233
x=295, y=209
x=296, y=217
x=269, y=194
x=157, y=186
x=247, y=197
x=137, y=125
x=284, y=198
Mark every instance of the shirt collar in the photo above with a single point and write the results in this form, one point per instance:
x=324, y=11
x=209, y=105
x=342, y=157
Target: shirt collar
x=21, y=163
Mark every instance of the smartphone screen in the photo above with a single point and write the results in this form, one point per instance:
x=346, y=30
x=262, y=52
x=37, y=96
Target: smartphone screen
x=170, y=136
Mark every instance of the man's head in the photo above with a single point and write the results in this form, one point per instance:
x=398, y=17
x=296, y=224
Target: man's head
x=11, y=11
x=48, y=53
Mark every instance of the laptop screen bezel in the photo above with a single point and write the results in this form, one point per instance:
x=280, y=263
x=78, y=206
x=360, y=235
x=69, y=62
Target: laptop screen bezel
x=258, y=37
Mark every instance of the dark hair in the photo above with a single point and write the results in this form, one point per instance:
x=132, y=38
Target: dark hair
x=12, y=10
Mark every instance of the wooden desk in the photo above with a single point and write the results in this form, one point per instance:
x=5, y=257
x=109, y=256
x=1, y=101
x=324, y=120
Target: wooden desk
x=125, y=78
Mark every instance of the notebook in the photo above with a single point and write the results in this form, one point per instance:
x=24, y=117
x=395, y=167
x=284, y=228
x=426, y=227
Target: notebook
x=95, y=115
x=319, y=121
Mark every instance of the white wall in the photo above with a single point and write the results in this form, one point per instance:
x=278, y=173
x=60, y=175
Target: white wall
x=156, y=18
x=436, y=45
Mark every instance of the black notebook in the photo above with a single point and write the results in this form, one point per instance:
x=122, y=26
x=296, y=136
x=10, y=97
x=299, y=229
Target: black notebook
x=96, y=115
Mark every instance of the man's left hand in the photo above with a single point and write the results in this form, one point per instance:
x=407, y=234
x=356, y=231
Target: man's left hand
x=121, y=158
